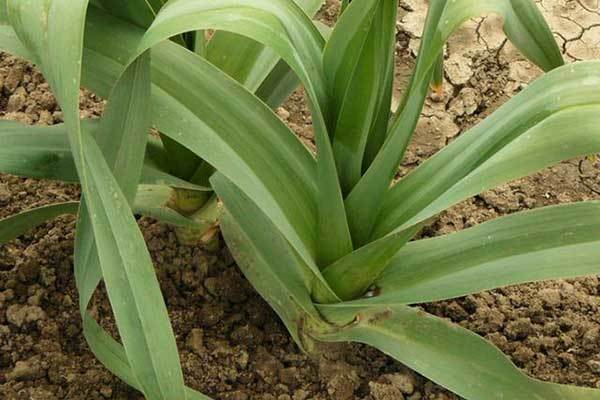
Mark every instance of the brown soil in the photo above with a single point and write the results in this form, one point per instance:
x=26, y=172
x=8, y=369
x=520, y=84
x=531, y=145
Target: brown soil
x=232, y=345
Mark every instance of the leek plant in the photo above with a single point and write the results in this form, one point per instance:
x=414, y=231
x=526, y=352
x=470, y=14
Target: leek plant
x=325, y=238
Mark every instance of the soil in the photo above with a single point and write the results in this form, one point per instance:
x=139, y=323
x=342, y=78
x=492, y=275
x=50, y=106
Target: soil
x=232, y=345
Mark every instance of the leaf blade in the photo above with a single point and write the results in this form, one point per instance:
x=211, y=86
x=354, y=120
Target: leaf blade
x=553, y=102
x=356, y=62
x=548, y=243
x=58, y=49
x=14, y=226
x=449, y=355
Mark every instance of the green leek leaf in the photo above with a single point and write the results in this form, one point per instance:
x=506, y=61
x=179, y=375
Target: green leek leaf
x=14, y=226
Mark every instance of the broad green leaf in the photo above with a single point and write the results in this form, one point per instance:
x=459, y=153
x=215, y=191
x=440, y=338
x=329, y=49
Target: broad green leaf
x=282, y=80
x=149, y=202
x=43, y=152
x=280, y=24
x=379, y=131
x=182, y=162
x=548, y=243
x=142, y=13
x=39, y=29
x=3, y=11
x=247, y=61
x=530, y=32
x=449, y=355
x=526, y=29
x=36, y=151
x=364, y=202
x=267, y=259
x=108, y=351
x=556, y=113
x=258, y=68
x=284, y=27
x=565, y=135
x=352, y=275
x=112, y=355
x=356, y=61
x=346, y=47
x=139, y=12
x=127, y=269
x=123, y=130
x=14, y=226
x=122, y=137
x=280, y=83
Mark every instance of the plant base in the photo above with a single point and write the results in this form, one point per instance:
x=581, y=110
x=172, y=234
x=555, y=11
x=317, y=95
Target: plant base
x=206, y=214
